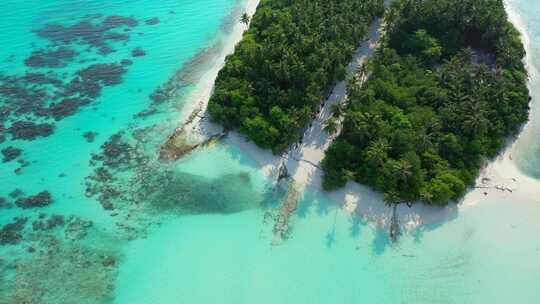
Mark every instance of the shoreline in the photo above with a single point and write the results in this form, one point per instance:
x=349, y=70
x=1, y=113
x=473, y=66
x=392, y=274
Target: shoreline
x=196, y=130
x=532, y=128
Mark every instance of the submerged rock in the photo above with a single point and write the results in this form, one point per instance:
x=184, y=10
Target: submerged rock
x=10, y=153
x=282, y=223
x=41, y=199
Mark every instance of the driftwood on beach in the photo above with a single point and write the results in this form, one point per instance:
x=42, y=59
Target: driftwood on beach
x=176, y=147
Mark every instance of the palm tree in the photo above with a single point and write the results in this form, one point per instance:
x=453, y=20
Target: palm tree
x=338, y=109
x=475, y=122
x=376, y=152
x=403, y=170
x=391, y=198
x=331, y=125
x=425, y=140
x=245, y=19
x=426, y=196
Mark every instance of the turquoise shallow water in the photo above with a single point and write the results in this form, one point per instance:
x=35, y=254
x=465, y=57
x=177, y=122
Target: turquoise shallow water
x=529, y=150
x=198, y=231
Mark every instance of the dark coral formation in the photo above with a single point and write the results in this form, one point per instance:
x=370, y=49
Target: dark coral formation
x=5, y=204
x=152, y=21
x=48, y=223
x=77, y=228
x=10, y=153
x=41, y=79
x=28, y=95
x=21, y=97
x=66, y=107
x=30, y=104
x=112, y=22
x=88, y=31
x=103, y=74
x=138, y=52
x=12, y=233
x=90, y=136
x=116, y=153
x=27, y=130
x=41, y=199
x=126, y=62
x=56, y=58
x=16, y=193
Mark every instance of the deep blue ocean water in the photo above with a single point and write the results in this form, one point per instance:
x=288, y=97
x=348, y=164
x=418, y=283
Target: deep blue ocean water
x=123, y=227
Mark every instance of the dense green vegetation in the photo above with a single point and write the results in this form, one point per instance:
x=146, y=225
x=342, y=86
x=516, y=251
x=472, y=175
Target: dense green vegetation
x=446, y=88
x=286, y=64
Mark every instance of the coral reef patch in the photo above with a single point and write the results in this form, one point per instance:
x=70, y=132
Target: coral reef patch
x=27, y=130
x=58, y=249
x=33, y=103
x=10, y=153
x=93, y=32
x=41, y=199
x=55, y=58
x=11, y=233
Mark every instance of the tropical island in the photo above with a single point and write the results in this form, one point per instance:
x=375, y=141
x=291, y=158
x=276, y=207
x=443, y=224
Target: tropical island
x=286, y=65
x=444, y=92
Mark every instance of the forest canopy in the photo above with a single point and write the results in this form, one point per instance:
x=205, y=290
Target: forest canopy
x=286, y=65
x=445, y=90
